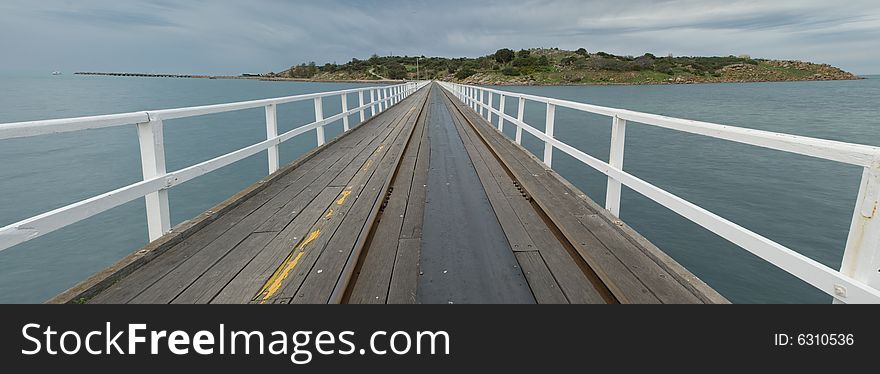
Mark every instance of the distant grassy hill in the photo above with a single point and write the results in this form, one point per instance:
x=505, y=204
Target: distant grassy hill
x=544, y=66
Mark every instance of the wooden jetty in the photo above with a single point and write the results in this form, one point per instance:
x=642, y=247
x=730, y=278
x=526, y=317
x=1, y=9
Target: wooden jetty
x=425, y=202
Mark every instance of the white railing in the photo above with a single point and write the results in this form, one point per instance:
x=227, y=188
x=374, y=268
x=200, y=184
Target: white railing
x=858, y=280
x=154, y=187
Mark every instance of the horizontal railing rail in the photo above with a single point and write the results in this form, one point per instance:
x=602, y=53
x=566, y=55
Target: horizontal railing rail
x=156, y=180
x=858, y=280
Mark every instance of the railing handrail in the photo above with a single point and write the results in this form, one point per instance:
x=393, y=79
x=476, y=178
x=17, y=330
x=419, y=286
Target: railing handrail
x=156, y=182
x=857, y=281
x=851, y=153
x=50, y=126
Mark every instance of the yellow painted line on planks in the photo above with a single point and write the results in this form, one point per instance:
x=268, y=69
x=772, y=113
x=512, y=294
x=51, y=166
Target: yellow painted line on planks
x=277, y=279
x=343, y=196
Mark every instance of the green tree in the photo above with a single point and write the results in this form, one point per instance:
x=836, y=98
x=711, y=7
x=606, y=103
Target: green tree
x=523, y=53
x=464, y=73
x=504, y=55
x=395, y=70
x=510, y=71
x=582, y=52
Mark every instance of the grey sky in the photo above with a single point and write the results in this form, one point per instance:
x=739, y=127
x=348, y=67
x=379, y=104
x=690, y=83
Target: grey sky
x=258, y=36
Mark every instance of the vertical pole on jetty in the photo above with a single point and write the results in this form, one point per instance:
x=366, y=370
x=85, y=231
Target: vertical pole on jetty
x=520, y=111
x=501, y=113
x=861, y=259
x=474, y=98
x=382, y=97
x=272, y=132
x=615, y=159
x=489, y=109
x=548, y=130
x=319, y=117
x=152, y=144
x=361, y=105
x=481, y=102
x=345, y=112
x=372, y=102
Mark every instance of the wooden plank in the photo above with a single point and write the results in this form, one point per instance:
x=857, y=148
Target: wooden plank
x=183, y=267
x=357, y=189
x=286, y=216
x=541, y=280
x=133, y=284
x=317, y=285
x=412, y=223
x=252, y=278
x=377, y=263
x=246, y=283
x=625, y=286
x=211, y=282
x=568, y=215
x=399, y=113
x=129, y=287
x=525, y=224
x=405, y=276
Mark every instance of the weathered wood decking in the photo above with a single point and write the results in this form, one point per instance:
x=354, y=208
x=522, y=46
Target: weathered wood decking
x=424, y=203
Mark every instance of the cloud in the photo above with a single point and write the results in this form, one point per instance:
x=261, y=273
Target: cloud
x=228, y=36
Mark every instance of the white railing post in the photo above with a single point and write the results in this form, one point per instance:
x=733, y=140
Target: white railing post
x=861, y=259
x=272, y=132
x=501, y=113
x=319, y=116
x=548, y=130
x=489, y=109
x=480, y=105
x=361, y=105
x=520, y=111
x=344, y=98
x=474, y=99
x=378, y=100
x=372, y=102
x=152, y=145
x=615, y=159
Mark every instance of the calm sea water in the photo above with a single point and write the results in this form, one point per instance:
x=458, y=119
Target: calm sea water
x=801, y=202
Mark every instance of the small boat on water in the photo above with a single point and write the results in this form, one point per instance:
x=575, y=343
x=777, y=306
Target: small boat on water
x=56, y=73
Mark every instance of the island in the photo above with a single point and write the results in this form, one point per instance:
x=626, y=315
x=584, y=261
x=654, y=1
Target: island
x=550, y=66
